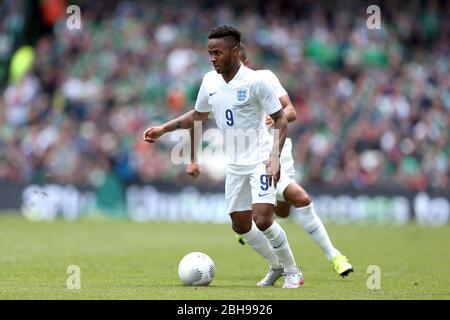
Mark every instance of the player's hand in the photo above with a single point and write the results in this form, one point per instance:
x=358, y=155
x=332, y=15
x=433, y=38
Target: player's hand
x=273, y=170
x=152, y=134
x=269, y=122
x=193, y=169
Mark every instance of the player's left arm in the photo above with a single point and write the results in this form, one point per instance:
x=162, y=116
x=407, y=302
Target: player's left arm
x=279, y=137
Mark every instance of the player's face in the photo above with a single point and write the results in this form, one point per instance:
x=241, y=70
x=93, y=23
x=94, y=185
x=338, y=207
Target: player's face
x=223, y=55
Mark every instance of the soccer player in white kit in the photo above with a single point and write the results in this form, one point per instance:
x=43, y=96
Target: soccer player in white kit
x=289, y=192
x=240, y=100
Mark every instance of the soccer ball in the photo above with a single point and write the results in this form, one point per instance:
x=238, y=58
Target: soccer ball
x=196, y=269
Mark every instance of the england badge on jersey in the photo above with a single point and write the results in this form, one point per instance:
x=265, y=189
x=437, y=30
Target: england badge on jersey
x=242, y=94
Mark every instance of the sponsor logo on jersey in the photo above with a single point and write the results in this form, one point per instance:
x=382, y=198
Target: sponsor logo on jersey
x=241, y=105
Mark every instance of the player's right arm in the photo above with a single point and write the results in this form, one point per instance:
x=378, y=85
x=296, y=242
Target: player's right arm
x=185, y=121
x=201, y=105
x=193, y=169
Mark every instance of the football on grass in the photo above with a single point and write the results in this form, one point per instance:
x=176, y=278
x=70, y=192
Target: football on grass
x=196, y=269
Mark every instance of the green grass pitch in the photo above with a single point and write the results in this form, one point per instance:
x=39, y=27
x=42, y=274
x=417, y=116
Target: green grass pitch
x=127, y=260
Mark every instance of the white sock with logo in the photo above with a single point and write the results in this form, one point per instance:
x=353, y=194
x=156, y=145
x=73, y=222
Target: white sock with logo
x=315, y=228
x=277, y=238
x=256, y=239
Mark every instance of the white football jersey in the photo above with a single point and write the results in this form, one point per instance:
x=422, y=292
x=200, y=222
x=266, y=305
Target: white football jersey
x=240, y=107
x=274, y=81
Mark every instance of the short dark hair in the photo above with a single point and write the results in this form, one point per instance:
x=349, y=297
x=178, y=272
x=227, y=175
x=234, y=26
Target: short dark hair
x=225, y=31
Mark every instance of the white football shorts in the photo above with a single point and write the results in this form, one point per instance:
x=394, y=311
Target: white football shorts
x=287, y=170
x=241, y=191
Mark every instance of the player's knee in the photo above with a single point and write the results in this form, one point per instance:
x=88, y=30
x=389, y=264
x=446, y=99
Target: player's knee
x=263, y=222
x=302, y=199
x=241, y=228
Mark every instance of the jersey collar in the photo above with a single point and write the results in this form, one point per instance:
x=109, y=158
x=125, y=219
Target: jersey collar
x=236, y=77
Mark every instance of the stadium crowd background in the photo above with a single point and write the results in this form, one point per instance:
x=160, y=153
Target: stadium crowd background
x=373, y=105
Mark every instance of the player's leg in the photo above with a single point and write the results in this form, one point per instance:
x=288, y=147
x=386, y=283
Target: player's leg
x=304, y=208
x=243, y=225
x=263, y=198
x=263, y=216
x=238, y=197
x=282, y=210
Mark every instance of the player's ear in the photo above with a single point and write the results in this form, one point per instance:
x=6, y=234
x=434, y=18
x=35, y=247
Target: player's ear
x=235, y=51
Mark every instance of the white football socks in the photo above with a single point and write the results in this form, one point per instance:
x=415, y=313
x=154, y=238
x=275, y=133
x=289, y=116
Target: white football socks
x=256, y=239
x=279, y=242
x=314, y=226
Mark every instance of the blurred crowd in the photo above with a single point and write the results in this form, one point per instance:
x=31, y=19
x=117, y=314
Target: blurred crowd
x=373, y=105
